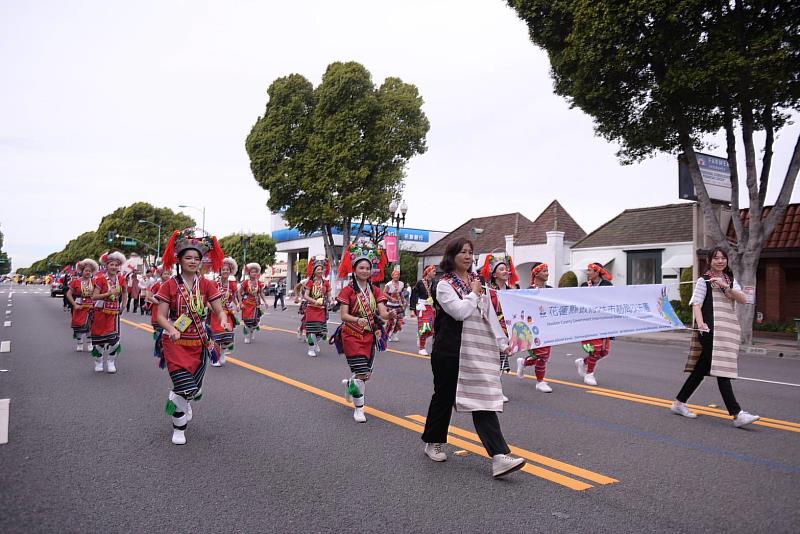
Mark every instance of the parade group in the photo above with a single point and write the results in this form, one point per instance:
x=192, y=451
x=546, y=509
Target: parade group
x=196, y=303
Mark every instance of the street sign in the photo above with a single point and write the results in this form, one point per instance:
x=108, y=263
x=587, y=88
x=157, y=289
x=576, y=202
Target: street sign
x=128, y=242
x=716, y=175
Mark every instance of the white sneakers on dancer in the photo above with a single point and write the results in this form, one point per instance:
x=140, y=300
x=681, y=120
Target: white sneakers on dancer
x=544, y=387
x=680, y=408
x=503, y=465
x=98, y=365
x=434, y=452
x=178, y=437
x=311, y=351
x=589, y=379
x=423, y=352
x=743, y=419
x=581, y=365
x=111, y=368
x=354, y=392
x=79, y=347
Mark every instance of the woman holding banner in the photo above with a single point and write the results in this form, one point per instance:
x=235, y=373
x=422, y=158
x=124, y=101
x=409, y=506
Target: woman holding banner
x=539, y=356
x=464, y=369
x=715, y=343
x=595, y=348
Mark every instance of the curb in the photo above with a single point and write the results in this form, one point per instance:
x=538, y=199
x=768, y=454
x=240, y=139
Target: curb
x=771, y=351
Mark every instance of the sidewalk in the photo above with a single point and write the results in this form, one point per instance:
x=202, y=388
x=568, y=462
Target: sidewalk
x=762, y=345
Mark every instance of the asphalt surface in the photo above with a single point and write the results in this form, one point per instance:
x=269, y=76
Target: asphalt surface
x=272, y=448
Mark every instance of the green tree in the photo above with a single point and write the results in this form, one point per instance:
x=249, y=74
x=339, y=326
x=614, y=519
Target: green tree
x=260, y=249
x=408, y=268
x=335, y=155
x=5, y=261
x=300, y=267
x=568, y=279
x=659, y=76
x=685, y=288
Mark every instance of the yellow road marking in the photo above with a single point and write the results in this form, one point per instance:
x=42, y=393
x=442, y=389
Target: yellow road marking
x=399, y=421
x=532, y=456
x=611, y=393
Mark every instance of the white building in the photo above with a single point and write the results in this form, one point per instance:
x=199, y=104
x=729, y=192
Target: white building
x=640, y=246
x=546, y=239
x=303, y=246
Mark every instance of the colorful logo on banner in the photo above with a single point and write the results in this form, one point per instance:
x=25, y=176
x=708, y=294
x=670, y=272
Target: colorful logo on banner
x=545, y=317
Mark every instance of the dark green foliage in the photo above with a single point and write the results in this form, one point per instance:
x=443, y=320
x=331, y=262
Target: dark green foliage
x=260, y=249
x=568, y=279
x=686, y=288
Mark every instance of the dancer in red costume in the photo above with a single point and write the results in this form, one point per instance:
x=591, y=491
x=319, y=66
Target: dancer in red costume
x=110, y=295
x=424, y=309
x=183, y=307
x=395, y=301
x=315, y=296
x=224, y=337
x=363, y=308
x=595, y=348
x=539, y=356
x=79, y=295
x=251, y=297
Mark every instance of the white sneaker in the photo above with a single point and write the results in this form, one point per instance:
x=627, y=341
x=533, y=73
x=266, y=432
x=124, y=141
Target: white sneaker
x=111, y=367
x=544, y=387
x=581, y=365
x=589, y=379
x=312, y=352
x=98, y=365
x=503, y=465
x=434, y=452
x=520, y=367
x=680, y=408
x=395, y=338
x=358, y=415
x=423, y=352
x=89, y=347
x=178, y=437
x=743, y=419
x=505, y=399
x=218, y=363
x=79, y=348
x=246, y=340
x=222, y=356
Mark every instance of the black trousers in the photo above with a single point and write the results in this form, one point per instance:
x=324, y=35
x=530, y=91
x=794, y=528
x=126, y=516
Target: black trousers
x=487, y=425
x=278, y=296
x=703, y=368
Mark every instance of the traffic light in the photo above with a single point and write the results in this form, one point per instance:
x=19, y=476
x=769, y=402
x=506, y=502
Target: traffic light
x=110, y=237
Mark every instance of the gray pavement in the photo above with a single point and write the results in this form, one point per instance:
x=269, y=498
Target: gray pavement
x=273, y=449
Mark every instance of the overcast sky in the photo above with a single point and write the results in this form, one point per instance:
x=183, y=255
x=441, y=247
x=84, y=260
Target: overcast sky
x=104, y=103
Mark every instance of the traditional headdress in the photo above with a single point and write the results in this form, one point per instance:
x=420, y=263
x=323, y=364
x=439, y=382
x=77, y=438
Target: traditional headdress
x=186, y=239
x=103, y=259
x=537, y=268
x=493, y=261
x=230, y=262
x=594, y=266
x=358, y=252
x=318, y=262
x=250, y=266
x=117, y=256
x=428, y=269
x=88, y=262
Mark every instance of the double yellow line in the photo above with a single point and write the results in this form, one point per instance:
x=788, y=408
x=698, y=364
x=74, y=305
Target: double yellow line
x=548, y=472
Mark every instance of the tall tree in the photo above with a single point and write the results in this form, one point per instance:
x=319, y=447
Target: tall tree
x=5, y=261
x=334, y=156
x=660, y=76
x=260, y=249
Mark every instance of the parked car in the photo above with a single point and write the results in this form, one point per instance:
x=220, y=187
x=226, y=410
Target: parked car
x=57, y=287
x=271, y=288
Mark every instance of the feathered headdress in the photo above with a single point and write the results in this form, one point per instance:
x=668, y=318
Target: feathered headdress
x=231, y=263
x=88, y=262
x=493, y=261
x=357, y=252
x=186, y=239
x=537, y=268
x=318, y=262
x=599, y=268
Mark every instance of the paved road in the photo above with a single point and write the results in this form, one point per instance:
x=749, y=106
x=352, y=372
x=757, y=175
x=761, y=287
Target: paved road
x=272, y=448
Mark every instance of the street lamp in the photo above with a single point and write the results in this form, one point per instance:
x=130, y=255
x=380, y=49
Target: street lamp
x=201, y=210
x=158, y=243
x=244, y=241
x=398, y=218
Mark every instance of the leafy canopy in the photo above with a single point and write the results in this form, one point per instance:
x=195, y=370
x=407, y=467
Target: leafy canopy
x=260, y=249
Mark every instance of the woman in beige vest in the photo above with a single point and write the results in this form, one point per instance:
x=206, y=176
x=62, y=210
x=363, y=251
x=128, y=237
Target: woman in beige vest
x=715, y=343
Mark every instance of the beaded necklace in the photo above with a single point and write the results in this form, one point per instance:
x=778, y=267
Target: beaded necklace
x=86, y=287
x=195, y=302
x=458, y=284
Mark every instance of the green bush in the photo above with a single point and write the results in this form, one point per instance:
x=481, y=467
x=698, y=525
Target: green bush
x=568, y=279
x=788, y=328
x=684, y=313
x=686, y=289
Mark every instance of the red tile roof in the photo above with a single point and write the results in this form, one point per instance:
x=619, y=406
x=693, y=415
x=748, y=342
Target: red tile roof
x=786, y=233
x=639, y=226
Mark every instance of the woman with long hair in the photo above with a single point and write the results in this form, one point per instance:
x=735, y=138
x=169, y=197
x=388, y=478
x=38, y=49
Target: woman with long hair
x=363, y=307
x=464, y=369
x=183, y=307
x=715, y=342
